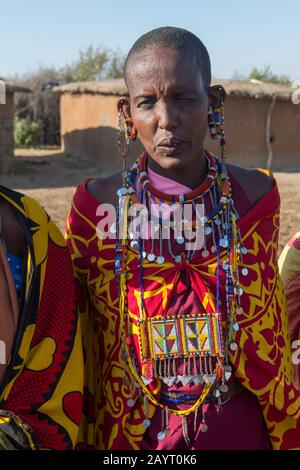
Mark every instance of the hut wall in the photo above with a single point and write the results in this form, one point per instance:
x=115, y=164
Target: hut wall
x=285, y=131
x=6, y=129
x=89, y=129
x=245, y=126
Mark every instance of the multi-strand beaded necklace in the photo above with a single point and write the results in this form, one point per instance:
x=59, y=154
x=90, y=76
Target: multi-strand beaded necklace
x=196, y=345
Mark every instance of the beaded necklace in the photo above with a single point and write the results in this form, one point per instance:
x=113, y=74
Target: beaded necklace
x=205, y=359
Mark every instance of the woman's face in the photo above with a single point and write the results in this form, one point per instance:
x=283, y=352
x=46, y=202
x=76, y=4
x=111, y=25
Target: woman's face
x=168, y=105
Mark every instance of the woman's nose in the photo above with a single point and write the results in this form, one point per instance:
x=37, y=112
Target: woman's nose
x=167, y=116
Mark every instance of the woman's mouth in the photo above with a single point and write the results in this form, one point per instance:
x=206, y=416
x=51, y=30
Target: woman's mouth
x=170, y=146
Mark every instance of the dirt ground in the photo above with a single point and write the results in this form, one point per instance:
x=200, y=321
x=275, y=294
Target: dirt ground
x=51, y=177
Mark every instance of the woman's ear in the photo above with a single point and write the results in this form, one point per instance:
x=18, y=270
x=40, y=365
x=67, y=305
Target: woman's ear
x=216, y=95
x=124, y=111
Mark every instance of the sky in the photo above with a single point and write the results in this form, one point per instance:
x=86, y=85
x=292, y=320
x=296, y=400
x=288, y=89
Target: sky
x=239, y=35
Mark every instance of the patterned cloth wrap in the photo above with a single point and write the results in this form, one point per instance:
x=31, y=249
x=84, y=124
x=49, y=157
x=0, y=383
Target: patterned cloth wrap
x=41, y=391
x=289, y=267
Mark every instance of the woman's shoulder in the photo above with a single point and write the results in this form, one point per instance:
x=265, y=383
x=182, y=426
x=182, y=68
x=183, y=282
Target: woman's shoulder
x=255, y=183
x=104, y=190
x=89, y=195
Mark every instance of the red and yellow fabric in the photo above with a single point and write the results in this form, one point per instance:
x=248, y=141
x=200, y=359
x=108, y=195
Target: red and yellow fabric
x=262, y=361
x=41, y=392
x=289, y=267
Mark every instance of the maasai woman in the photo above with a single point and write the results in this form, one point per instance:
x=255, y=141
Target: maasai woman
x=186, y=345
x=289, y=268
x=41, y=373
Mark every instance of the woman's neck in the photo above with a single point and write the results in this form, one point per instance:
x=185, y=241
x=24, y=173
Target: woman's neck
x=191, y=176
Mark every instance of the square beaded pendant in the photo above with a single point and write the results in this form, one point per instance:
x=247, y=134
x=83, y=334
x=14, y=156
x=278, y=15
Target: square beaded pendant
x=181, y=336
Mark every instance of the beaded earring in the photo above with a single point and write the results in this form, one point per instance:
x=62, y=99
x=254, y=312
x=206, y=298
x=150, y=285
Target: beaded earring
x=131, y=130
x=125, y=134
x=217, y=129
x=122, y=139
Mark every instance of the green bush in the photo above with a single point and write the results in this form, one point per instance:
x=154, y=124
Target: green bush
x=26, y=133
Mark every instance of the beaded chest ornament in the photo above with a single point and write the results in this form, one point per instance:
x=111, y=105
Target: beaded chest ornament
x=182, y=349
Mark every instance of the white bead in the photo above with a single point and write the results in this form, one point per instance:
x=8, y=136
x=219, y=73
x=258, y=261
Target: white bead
x=134, y=244
x=122, y=192
x=223, y=242
x=227, y=375
x=203, y=427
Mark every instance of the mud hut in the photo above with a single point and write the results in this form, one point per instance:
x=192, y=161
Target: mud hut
x=6, y=122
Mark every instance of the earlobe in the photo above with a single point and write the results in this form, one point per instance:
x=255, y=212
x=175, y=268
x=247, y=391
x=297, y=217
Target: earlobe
x=216, y=95
x=124, y=107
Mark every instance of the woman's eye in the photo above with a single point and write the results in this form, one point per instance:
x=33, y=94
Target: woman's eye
x=145, y=103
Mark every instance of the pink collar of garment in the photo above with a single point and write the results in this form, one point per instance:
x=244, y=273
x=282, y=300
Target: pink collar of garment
x=166, y=185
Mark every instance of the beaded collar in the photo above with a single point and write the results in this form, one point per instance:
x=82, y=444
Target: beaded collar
x=139, y=172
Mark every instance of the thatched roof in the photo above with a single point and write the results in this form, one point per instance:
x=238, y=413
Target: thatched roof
x=17, y=89
x=256, y=89
x=111, y=87
x=249, y=88
x=10, y=88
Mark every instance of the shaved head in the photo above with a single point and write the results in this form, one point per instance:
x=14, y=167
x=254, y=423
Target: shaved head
x=178, y=39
